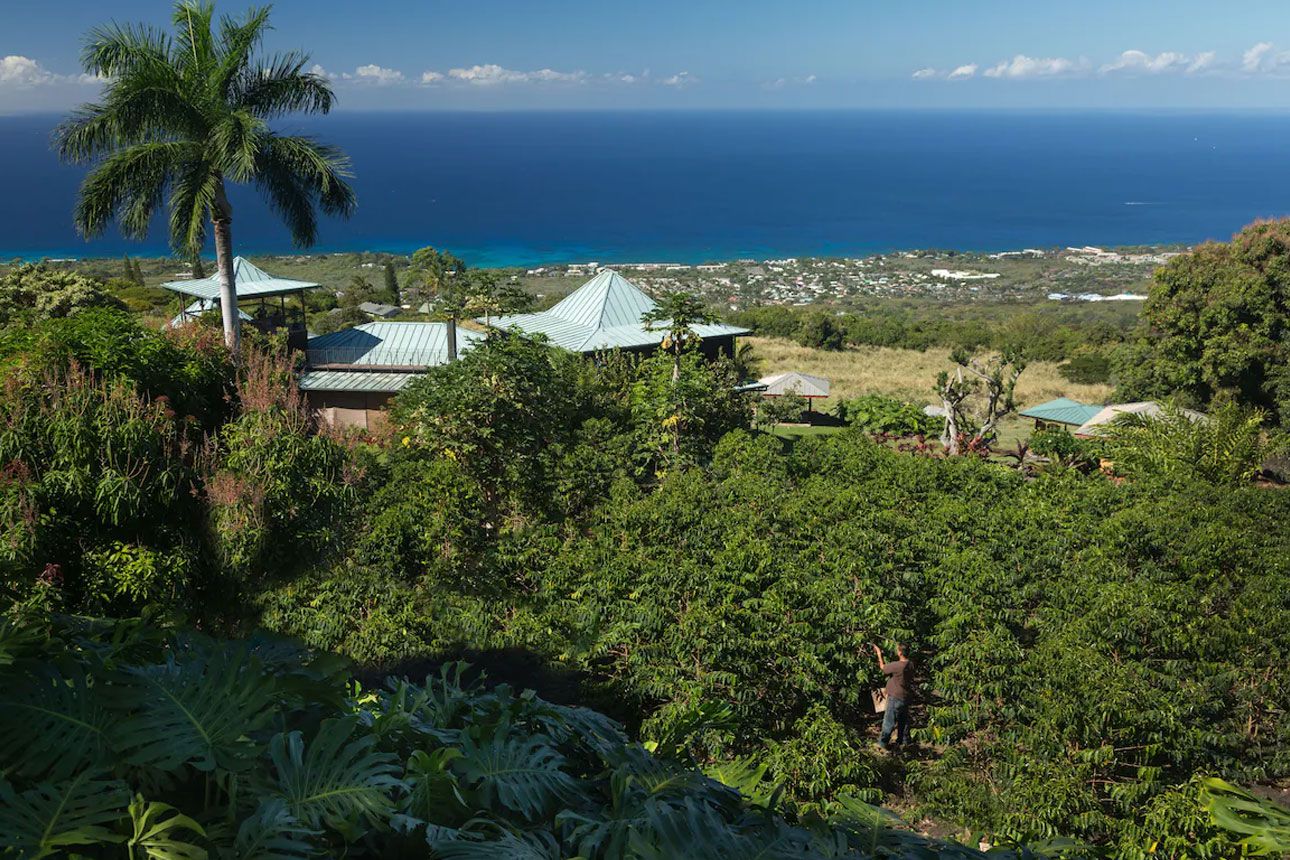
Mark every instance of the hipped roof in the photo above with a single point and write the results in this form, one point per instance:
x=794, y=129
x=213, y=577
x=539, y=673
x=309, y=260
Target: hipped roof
x=249, y=281
x=604, y=313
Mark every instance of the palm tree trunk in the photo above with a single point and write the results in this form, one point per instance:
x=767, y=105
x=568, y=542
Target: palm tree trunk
x=222, y=220
x=452, y=339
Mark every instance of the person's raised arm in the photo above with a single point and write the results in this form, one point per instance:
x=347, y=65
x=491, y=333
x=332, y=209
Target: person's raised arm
x=877, y=652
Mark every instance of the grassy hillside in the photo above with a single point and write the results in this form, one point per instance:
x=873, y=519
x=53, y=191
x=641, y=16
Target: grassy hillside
x=905, y=373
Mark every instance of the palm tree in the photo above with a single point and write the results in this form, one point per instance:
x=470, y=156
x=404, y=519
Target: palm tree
x=182, y=116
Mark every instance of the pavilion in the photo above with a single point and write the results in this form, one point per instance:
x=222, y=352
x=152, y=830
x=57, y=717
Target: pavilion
x=795, y=382
x=250, y=283
x=604, y=314
x=1062, y=412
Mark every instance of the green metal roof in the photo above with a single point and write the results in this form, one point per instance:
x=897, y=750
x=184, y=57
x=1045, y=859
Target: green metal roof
x=389, y=344
x=355, y=380
x=604, y=313
x=249, y=281
x=1063, y=410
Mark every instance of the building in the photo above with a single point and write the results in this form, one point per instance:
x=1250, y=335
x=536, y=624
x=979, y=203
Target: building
x=1060, y=413
x=378, y=310
x=1146, y=408
x=795, y=382
x=252, y=285
x=604, y=314
x=350, y=375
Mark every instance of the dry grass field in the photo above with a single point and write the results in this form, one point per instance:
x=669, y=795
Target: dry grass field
x=904, y=373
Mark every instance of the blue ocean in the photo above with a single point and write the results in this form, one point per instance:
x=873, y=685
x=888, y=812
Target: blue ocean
x=531, y=188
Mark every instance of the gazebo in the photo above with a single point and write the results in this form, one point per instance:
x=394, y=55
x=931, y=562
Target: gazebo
x=250, y=283
x=795, y=382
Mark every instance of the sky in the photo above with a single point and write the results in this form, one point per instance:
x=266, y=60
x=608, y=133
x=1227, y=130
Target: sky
x=735, y=54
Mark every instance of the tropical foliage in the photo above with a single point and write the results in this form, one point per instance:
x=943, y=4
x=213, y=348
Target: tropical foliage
x=1217, y=326
x=877, y=413
x=125, y=739
x=184, y=115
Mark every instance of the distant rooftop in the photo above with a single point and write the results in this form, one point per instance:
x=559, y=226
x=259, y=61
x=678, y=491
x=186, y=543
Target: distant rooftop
x=604, y=313
x=376, y=345
x=249, y=281
x=795, y=381
x=1063, y=410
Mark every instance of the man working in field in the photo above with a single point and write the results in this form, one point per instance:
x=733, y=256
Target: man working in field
x=899, y=684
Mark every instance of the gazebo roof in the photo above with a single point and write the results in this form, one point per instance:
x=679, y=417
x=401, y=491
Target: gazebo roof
x=1063, y=410
x=1145, y=408
x=250, y=281
x=795, y=381
x=604, y=313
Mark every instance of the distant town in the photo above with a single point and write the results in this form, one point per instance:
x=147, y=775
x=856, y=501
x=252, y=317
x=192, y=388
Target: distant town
x=1061, y=274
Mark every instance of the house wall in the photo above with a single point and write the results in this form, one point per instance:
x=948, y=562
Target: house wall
x=362, y=409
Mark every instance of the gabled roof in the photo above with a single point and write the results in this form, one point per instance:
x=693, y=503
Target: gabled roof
x=378, y=309
x=796, y=381
x=604, y=313
x=1145, y=408
x=1063, y=410
x=388, y=344
x=249, y=281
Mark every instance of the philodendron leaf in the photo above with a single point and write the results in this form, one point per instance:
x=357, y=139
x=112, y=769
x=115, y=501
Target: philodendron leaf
x=272, y=833
x=196, y=709
x=333, y=780
x=42, y=821
x=52, y=726
x=161, y=832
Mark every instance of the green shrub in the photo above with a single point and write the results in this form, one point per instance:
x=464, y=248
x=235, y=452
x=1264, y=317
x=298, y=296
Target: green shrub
x=1088, y=368
x=1063, y=449
x=877, y=413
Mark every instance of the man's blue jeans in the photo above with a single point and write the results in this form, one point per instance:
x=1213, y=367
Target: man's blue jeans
x=895, y=718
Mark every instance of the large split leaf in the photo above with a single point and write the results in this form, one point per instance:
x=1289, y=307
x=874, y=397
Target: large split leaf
x=78, y=812
x=521, y=774
x=197, y=711
x=334, y=780
x=162, y=832
x=51, y=726
x=272, y=833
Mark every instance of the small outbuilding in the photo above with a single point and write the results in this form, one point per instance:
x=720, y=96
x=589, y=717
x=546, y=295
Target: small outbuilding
x=250, y=284
x=1146, y=408
x=378, y=310
x=1060, y=413
x=795, y=382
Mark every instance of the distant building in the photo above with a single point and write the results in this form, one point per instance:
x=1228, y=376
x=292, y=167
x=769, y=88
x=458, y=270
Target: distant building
x=375, y=309
x=605, y=313
x=1147, y=408
x=795, y=382
x=1062, y=412
x=350, y=375
x=251, y=285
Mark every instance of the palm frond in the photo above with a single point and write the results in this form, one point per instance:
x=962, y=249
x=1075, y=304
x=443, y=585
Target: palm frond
x=117, y=50
x=280, y=86
x=51, y=726
x=52, y=816
x=322, y=169
x=235, y=143
x=197, y=712
x=238, y=40
x=128, y=185
x=194, y=42
x=192, y=195
x=159, y=832
x=335, y=780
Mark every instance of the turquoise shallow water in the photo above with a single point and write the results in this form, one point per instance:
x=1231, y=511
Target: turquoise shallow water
x=528, y=188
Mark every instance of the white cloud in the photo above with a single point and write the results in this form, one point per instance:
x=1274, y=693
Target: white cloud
x=1256, y=57
x=317, y=69
x=1022, y=66
x=491, y=74
x=1140, y=61
x=23, y=72
x=380, y=75
x=781, y=83
x=680, y=79
x=924, y=73
x=431, y=77
x=965, y=71
x=1202, y=62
